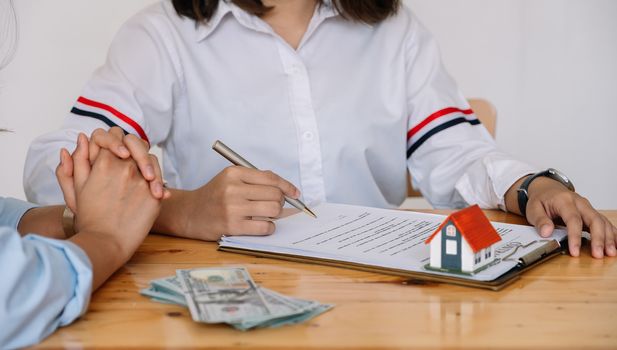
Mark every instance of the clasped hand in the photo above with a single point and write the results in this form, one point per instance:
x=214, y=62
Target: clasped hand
x=108, y=194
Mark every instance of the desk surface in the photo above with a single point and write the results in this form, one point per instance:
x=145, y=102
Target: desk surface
x=565, y=303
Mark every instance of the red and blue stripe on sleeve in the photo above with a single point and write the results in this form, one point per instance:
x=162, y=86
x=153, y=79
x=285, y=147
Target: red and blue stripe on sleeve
x=435, y=123
x=112, y=117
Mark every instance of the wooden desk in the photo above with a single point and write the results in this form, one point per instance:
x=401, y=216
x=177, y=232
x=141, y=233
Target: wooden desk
x=567, y=303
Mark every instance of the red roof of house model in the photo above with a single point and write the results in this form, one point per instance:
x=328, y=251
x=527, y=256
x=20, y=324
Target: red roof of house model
x=474, y=226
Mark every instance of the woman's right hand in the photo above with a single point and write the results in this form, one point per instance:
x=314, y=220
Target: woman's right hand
x=235, y=202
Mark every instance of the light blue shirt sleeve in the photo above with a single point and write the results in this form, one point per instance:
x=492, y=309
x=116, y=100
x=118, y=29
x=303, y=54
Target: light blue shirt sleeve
x=44, y=283
x=11, y=211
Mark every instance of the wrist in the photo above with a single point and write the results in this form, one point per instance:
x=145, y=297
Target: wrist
x=174, y=217
x=44, y=221
x=105, y=252
x=511, y=196
x=542, y=182
x=120, y=244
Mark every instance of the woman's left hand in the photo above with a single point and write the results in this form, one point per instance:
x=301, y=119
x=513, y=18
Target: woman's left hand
x=549, y=200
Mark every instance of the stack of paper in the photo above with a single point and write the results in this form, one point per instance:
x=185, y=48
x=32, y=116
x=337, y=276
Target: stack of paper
x=391, y=240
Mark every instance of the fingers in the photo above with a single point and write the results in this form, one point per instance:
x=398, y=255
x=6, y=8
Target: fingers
x=253, y=228
x=610, y=238
x=262, y=193
x=64, y=174
x=574, y=225
x=614, y=231
x=268, y=178
x=139, y=151
x=127, y=146
x=81, y=162
x=268, y=209
x=111, y=140
x=117, y=132
x=597, y=226
x=240, y=208
x=156, y=186
x=576, y=212
x=66, y=164
x=537, y=216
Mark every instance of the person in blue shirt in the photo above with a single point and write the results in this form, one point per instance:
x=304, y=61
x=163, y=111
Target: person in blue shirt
x=46, y=278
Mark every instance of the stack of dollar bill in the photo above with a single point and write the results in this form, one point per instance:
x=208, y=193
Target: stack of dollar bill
x=229, y=295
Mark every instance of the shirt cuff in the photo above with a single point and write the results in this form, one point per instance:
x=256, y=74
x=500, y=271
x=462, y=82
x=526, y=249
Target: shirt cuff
x=13, y=210
x=81, y=270
x=486, y=182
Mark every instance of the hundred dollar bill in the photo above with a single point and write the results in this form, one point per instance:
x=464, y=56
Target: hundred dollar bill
x=216, y=295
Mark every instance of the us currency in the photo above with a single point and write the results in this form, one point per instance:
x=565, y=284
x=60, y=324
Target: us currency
x=312, y=311
x=161, y=295
x=216, y=295
x=169, y=284
x=283, y=321
x=287, y=311
x=280, y=307
x=230, y=295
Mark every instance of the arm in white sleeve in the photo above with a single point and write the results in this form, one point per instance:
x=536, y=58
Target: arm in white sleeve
x=46, y=284
x=134, y=90
x=453, y=160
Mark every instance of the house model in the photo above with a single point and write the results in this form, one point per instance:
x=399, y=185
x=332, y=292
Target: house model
x=464, y=242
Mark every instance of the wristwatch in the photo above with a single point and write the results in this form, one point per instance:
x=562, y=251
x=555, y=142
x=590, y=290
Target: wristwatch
x=523, y=195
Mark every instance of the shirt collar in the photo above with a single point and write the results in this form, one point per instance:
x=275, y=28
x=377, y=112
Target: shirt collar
x=327, y=10
x=203, y=30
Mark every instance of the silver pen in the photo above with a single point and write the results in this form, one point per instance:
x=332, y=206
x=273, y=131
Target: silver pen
x=236, y=159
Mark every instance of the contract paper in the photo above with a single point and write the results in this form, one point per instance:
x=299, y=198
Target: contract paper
x=382, y=238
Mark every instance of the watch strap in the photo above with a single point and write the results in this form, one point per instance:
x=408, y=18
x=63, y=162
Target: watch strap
x=523, y=195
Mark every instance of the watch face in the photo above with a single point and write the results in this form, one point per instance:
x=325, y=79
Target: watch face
x=558, y=175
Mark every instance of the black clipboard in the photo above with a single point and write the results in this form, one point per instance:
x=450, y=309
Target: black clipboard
x=534, y=258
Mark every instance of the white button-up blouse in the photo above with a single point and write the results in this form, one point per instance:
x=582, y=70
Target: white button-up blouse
x=343, y=116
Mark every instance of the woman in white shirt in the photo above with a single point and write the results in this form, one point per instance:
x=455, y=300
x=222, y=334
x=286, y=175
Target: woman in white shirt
x=339, y=97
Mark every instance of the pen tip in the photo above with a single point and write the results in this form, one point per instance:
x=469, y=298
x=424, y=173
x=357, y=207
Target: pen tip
x=309, y=212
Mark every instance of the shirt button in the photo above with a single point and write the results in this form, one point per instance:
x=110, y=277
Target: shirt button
x=308, y=135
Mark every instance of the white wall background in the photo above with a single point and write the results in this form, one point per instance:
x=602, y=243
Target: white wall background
x=550, y=67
